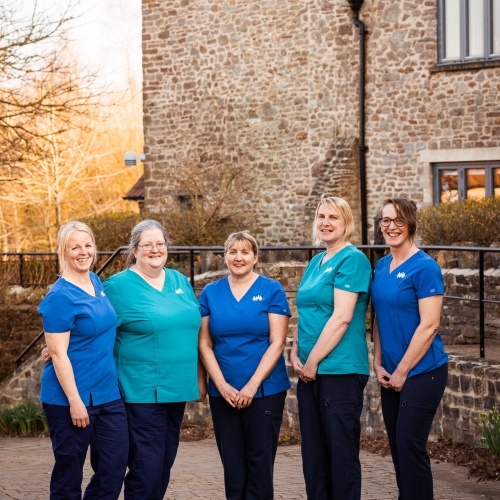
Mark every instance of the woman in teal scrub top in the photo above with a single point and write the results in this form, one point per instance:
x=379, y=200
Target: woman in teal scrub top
x=156, y=352
x=330, y=356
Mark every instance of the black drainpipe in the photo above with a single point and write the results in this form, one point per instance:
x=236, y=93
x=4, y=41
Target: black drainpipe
x=362, y=148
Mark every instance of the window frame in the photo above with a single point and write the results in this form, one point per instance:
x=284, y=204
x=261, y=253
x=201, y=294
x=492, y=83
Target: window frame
x=489, y=182
x=488, y=35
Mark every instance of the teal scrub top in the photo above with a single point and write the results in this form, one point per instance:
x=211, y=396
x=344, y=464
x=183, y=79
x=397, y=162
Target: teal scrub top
x=156, y=346
x=349, y=270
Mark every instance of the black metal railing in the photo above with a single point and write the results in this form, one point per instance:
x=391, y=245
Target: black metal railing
x=186, y=259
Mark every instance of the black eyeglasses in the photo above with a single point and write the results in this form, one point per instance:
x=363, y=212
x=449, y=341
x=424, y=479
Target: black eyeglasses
x=386, y=221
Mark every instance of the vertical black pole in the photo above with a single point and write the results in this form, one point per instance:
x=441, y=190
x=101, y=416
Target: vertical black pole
x=362, y=148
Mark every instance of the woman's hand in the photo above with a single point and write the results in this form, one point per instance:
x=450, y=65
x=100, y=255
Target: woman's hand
x=203, y=394
x=46, y=355
x=245, y=396
x=79, y=414
x=383, y=376
x=309, y=371
x=397, y=381
x=229, y=393
x=295, y=360
x=202, y=382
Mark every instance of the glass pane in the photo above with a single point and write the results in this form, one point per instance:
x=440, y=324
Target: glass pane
x=495, y=27
x=452, y=29
x=476, y=28
x=475, y=183
x=448, y=182
x=496, y=182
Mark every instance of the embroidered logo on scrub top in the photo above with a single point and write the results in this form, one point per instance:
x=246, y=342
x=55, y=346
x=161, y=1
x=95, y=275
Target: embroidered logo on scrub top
x=400, y=275
x=347, y=285
x=256, y=298
x=179, y=291
x=328, y=269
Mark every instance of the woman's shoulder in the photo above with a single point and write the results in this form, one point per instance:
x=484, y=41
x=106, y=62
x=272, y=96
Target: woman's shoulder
x=58, y=293
x=425, y=260
x=117, y=278
x=176, y=276
x=268, y=282
x=354, y=253
x=215, y=285
x=424, y=263
x=318, y=256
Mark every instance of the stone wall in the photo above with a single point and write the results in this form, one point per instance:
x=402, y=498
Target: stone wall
x=473, y=386
x=273, y=85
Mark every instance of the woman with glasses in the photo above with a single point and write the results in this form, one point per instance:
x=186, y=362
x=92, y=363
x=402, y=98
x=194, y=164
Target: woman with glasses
x=330, y=356
x=156, y=352
x=409, y=360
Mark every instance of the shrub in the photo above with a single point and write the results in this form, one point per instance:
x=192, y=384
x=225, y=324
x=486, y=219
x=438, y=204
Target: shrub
x=465, y=221
x=112, y=231
x=491, y=429
x=23, y=418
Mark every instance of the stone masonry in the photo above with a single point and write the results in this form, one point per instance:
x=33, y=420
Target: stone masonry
x=273, y=86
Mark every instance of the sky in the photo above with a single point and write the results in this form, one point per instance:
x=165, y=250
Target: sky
x=106, y=36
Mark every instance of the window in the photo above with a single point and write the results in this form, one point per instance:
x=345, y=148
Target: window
x=469, y=30
x=454, y=181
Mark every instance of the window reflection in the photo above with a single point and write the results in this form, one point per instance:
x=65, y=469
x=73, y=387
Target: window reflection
x=448, y=181
x=476, y=187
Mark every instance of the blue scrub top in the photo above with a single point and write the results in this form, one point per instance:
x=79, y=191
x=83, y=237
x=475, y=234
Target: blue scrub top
x=395, y=297
x=240, y=332
x=91, y=322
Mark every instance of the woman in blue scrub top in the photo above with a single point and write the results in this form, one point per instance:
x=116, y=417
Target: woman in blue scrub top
x=79, y=388
x=330, y=356
x=409, y=360
x=156, y=353
x=242, y=337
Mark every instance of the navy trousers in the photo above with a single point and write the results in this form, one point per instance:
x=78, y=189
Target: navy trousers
x=408, y=417
x=247, y=440
x=107, y=435
x=329, y=412
x=154, y=431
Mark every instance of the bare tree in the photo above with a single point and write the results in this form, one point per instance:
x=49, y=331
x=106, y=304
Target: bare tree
x=61, y=148
x=37, y=80
x=204, y=200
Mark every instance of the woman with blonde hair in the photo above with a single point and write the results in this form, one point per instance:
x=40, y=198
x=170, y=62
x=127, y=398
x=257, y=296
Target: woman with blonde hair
x=79, y=389
x=243, y=332
x=330, y=356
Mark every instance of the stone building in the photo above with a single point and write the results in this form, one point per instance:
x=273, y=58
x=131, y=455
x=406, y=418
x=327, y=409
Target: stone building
x=360, y=99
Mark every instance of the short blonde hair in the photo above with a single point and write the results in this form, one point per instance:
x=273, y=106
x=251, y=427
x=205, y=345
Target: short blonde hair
x=242, y=237
x=342, y=209
x=63, y=236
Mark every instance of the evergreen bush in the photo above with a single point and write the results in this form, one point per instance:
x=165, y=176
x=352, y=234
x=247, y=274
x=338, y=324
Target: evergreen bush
x=461, y=222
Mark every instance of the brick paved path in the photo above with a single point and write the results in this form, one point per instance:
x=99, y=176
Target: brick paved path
x=25, y=465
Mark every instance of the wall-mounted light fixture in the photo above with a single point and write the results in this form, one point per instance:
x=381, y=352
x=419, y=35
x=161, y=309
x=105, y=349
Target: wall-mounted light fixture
x=131, y=158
